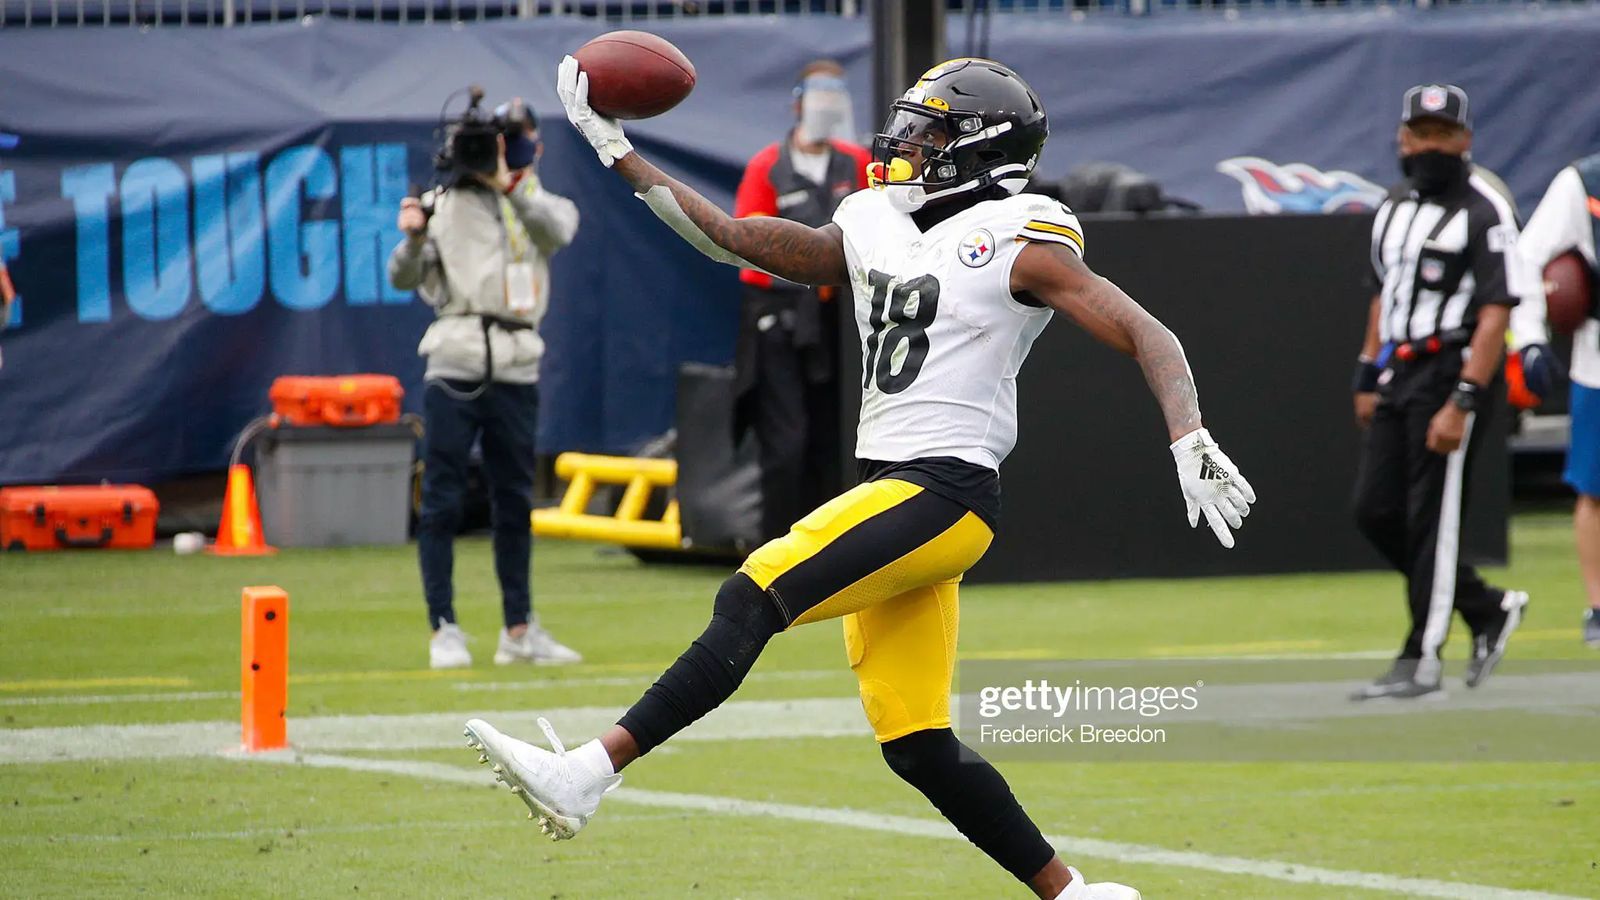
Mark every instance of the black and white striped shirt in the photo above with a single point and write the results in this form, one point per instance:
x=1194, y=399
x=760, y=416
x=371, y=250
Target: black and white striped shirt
x=1439, y=259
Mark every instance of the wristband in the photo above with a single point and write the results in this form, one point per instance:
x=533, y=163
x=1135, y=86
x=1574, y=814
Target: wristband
x=1365, y=380
x=1465, y=396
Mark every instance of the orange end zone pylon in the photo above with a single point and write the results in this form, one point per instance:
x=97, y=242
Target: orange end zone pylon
x=240, y=531
x=264, y=668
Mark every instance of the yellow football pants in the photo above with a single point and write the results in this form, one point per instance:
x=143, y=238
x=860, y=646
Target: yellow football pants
x=888, y=556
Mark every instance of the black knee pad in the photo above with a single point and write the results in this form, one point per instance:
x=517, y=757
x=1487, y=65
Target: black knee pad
x=743, y=619
x=923, y=757
x=745, y=605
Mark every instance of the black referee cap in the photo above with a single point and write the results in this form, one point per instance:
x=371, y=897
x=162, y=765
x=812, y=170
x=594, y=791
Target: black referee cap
x=1436, y=101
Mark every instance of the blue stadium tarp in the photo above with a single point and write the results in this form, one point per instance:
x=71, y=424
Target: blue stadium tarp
x=191, y=212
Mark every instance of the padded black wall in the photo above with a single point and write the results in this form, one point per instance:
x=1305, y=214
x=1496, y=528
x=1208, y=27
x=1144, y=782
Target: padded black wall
x=1270, y=311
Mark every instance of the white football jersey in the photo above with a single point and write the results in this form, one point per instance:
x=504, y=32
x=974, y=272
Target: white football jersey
x=1561, y=223
x=942, y=338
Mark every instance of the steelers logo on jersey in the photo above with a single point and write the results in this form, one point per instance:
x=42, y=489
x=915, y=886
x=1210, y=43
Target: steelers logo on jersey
x=976, y=249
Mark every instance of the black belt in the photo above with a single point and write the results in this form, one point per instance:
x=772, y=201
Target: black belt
x=1413, y=350
x=488, y=352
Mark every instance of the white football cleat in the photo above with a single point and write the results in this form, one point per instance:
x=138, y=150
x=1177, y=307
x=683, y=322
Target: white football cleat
x=561, y=791
x=1100, y=890
x=448, y=648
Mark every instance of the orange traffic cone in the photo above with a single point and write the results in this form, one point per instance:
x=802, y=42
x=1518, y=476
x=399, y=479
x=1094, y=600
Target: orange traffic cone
x=240, y=531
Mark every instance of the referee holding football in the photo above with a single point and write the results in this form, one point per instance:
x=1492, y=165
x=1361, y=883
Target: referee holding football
x=1443, y=253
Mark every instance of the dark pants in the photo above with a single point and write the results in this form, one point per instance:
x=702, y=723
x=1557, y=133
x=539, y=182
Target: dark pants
x=796, y=421
x=1410, y=502
x=503, y=417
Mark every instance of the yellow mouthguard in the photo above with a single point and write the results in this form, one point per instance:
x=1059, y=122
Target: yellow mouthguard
x=899, y=170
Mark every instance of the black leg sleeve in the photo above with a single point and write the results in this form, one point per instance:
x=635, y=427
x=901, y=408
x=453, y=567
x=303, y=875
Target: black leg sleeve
x=973, y=796
x=743, y=619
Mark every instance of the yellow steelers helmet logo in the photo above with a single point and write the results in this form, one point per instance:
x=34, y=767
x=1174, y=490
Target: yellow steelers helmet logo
x=946, y=66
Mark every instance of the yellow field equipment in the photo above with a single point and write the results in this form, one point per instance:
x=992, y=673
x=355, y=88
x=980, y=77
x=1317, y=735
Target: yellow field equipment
x=627, y=526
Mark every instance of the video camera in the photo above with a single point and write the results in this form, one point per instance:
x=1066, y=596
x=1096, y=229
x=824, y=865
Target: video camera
x=469, y=142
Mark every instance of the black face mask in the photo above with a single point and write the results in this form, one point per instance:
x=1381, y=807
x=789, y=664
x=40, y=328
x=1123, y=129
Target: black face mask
x=1433, y=171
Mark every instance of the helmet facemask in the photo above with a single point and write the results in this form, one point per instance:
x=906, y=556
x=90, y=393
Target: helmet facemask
x=925, y=153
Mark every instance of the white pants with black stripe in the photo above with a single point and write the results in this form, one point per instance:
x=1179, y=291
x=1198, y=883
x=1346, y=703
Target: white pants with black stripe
x=1410, y=503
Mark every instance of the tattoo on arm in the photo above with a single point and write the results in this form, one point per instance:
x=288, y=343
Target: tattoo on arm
x=1161, y=357
x=800, y=253
x=1058, y=277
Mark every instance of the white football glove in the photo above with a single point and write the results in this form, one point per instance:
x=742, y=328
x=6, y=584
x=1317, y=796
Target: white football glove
x=603, y=134
x=1211, y=484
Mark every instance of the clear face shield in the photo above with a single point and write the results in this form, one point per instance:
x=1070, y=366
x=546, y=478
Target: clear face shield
x=825, y=109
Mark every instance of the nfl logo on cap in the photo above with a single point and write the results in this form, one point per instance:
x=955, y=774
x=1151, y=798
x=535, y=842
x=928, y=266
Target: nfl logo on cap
x=1443, y=101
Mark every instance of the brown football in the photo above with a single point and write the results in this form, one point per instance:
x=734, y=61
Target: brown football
x=1568, y=292
x=635, y=75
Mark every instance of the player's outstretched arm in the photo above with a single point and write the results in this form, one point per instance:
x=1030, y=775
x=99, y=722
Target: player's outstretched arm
x=781, y=247
x=1211, y=483
x=787, y=249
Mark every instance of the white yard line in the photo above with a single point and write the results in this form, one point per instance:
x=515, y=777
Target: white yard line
x=913, y=827
x=739, y=720
x=1255, y=706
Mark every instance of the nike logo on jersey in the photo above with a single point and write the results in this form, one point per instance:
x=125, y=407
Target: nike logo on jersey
x=1210, y=471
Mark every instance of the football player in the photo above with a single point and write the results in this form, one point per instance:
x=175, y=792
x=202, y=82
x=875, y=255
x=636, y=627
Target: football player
x=955, y=273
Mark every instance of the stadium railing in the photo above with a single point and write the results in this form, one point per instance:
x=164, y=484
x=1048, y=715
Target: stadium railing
x=227, y=13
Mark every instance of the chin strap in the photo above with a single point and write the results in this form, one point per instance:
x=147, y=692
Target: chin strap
x=1013, y=178
x=661, y=202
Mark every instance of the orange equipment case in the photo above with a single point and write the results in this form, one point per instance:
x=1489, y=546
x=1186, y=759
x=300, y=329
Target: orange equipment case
x=53, y=518
x=345, y=401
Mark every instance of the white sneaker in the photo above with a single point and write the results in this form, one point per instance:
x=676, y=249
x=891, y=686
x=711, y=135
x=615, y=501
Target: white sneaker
x=513, y=649
x=1100, y=890
x=537, y=646
x=560, y=790
x=448, y=648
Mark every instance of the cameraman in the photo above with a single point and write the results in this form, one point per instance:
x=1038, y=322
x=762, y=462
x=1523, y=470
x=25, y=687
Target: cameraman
x=478, y=251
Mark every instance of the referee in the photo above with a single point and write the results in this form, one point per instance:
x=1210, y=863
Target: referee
x=1443, y=252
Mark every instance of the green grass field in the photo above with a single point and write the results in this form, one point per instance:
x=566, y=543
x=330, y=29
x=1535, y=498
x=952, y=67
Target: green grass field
x=119, y=680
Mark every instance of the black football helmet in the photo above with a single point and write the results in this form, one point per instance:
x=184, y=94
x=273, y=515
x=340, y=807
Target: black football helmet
x=970, y=123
